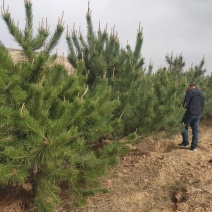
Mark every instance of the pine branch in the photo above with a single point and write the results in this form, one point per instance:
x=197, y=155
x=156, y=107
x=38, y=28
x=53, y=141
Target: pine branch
x=56, y=36
x=6, y=61
x=39, y=40
x=13, y=29
x=29, y=21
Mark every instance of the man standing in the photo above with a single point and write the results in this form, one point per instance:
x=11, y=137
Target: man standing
x=194, y=103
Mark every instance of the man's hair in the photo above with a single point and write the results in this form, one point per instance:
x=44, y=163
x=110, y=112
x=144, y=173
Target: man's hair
x=192, y=84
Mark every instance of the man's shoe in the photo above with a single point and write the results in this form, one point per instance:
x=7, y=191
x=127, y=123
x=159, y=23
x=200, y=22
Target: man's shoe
x=183, y=145
x=193, y=149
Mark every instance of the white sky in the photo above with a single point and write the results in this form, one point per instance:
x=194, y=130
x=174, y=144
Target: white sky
x=178, y=26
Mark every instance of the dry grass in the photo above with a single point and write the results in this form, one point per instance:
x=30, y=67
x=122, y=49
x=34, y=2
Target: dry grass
x=14, y=199
x=60, y=59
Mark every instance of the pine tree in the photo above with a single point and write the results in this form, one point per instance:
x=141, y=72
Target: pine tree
x=51, y=123
x=156, y=103
x=207, y=112
x=106, y=59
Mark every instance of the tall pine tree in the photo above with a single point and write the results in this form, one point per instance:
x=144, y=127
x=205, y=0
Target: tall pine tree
x=106, y=59
x=51, y=123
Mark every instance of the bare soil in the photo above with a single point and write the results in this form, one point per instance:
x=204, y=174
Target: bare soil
x=160, y=176
x=157, y=176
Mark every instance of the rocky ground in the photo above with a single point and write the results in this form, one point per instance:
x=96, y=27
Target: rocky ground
x=158, y=176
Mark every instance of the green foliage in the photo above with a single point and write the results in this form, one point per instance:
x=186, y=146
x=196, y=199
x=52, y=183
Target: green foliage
x=150, y=102
x=207, y=88
x=53, y=126
x=51, y=123
x=105, y=59
x=160, y=100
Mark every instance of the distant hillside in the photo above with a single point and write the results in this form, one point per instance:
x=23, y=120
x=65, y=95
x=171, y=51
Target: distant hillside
x=15, y=53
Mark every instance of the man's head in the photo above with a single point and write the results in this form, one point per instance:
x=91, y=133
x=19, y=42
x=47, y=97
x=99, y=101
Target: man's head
x=191, y=86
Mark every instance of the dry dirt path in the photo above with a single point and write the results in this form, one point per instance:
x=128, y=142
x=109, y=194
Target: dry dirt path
x=159, y=176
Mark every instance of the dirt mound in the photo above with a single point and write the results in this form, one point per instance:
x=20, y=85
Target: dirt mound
x=157, y=176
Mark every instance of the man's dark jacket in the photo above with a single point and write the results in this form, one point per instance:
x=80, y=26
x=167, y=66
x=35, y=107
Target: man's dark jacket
x=194, y=102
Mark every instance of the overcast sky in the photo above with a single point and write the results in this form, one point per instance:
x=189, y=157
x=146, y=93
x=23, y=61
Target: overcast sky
x=178, y=26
